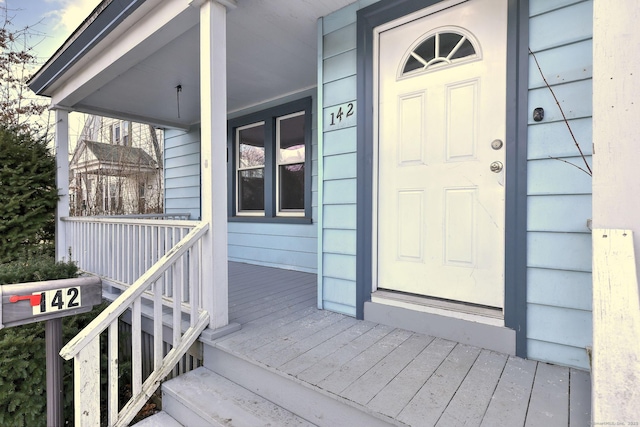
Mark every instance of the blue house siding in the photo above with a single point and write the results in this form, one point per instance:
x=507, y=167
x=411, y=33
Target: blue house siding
x=280, y=245
x=182, y=172
x=559, y=195
x=338, y=258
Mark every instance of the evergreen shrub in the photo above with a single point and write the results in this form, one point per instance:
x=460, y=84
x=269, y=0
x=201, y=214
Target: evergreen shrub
x=23, y=398
x=28, y=195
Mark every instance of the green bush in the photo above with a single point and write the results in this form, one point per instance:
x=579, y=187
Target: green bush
x=36, y=269
x=23, y=397
x=28, y=195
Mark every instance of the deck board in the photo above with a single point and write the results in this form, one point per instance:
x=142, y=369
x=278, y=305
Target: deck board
x=395, y=396
x=356, y=367
x=308, y=343
x=549, y=404
x=375, y=379
x=510, y=401
x=432, y=399
x=415, y=379
x=327, y=366
x=580, y=398
x=472, y=398
x=311, y=357
x=276, y=347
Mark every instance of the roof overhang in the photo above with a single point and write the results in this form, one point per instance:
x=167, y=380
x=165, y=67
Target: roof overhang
x=129, y=57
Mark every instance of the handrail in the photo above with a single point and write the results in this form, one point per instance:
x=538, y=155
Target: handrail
x=126, y=220
x=178, y=264
x=122, y=303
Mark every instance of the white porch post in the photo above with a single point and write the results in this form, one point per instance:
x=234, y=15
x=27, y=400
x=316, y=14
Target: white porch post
x=62, y=181
x=213, y=162
x=616, y=207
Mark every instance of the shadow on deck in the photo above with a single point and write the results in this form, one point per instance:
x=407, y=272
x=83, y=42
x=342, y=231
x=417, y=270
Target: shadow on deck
x=394, y=374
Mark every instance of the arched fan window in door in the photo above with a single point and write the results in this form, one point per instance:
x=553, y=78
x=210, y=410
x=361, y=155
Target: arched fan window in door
x=443, y=48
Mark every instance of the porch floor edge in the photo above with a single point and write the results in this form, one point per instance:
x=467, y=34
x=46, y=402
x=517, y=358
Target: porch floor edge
x=209, y=335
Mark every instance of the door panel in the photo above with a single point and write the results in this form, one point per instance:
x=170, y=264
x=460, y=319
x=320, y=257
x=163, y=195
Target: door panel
x=442, y=102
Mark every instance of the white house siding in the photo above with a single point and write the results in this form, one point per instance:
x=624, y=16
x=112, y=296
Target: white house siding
x=338, y=256
x=182, y=172
x=559, y=195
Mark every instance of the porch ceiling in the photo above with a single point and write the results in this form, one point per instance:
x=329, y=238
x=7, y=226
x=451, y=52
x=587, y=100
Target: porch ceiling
x=271, y=52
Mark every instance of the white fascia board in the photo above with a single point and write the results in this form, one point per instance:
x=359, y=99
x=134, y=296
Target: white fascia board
x=142, y=33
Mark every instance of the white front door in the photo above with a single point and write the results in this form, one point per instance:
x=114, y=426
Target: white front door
x=441, y=154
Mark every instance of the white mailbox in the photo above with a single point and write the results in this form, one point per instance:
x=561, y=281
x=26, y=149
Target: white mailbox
x=36, y=301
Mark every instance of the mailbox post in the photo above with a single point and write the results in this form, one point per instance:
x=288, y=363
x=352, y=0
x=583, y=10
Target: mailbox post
x=49, y=301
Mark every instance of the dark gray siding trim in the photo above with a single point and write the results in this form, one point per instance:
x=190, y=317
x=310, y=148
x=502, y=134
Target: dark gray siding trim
x=269, y=115
x=516, y=202
x=78, y=44
x=515, y=310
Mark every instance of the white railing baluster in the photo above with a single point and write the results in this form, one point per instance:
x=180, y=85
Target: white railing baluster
x=177, y=301
x=158, y=352
x=136, y=347
x=113, y=373
x=194, y=281
x=167, y=278
x=86, y=384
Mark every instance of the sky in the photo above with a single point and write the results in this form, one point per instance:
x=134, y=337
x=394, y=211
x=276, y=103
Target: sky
x=52, y=22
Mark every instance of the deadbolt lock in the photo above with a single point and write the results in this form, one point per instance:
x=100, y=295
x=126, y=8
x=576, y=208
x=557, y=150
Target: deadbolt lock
x=495, y=167
x=496, y=144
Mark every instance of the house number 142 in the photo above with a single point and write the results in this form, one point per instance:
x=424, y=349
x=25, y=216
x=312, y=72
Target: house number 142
x=343, y=113
x=57, y=300
x=339, y=116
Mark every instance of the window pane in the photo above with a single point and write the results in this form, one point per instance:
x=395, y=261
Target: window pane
x=447, y=42
x=427, y=50
x=292, y=187
x=412, y=64
x=251, y=190
x=251, y=146
x=291, y=140
x=465, y=50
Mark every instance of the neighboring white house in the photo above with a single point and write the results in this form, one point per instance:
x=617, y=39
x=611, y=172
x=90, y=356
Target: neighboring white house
x=395, y=147
x=116, y=169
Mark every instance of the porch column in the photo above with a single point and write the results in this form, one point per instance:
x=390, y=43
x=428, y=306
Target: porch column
x=213, y=161
x=616, y=207
x=62, y=181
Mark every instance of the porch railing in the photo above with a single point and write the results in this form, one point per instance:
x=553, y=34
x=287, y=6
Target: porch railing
x=121, y=249
x=175, y=272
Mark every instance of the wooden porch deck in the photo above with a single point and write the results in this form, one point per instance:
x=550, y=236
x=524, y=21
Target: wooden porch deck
x=401, y=377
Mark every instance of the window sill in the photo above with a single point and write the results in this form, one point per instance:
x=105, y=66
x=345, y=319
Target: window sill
x=272, y=220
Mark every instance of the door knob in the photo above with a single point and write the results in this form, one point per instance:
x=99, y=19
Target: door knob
x=495, y=167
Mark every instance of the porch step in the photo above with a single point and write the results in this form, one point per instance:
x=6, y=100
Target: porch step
x=204, y=398
x=161, y=419
x=312, y=403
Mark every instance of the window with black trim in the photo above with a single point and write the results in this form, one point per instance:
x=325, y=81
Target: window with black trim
x=270, y=164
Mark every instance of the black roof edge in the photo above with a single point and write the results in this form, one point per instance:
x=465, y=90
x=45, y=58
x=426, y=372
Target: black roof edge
x=102, y=20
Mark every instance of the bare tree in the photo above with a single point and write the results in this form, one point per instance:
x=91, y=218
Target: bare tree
x=19, y=107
